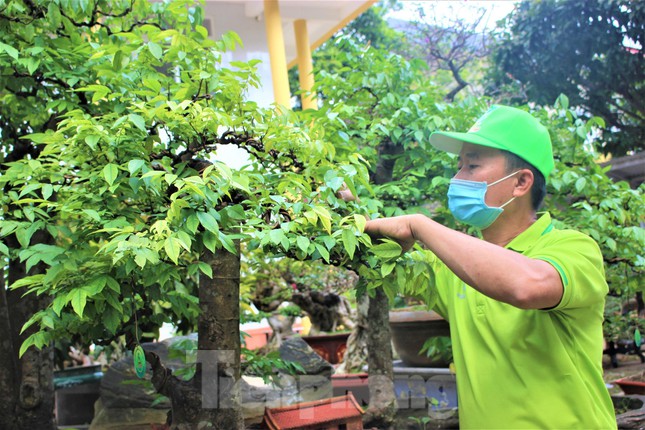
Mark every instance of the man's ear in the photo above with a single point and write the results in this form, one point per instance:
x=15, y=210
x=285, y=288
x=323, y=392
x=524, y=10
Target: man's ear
x=524, y=182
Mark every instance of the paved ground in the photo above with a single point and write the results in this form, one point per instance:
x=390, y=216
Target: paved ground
x=627, y=365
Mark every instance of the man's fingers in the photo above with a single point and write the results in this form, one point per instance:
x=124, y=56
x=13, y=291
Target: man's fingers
x=346, y=195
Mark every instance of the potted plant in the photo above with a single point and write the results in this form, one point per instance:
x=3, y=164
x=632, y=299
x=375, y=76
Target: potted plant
x=421, y=337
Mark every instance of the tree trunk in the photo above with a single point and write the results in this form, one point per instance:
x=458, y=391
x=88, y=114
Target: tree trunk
x=7, y=361
x=219, y=340
x=26, y=383
x=355, y=359
x=211, y=399
x=382, y=408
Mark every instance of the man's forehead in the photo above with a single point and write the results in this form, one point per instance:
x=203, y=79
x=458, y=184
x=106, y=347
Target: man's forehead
x=470, y=150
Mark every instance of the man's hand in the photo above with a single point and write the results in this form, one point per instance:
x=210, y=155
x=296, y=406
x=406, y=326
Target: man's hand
x=346, y=195
x=396, y=228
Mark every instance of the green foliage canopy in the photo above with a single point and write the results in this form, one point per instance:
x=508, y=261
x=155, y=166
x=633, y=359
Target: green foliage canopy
x=120, y=108
x=590, y=50
x=111, y=115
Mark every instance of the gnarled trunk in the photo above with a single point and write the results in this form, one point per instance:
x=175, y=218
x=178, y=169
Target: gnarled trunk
x=219, y=339
x=382, y=408
x=26, y=383
x=211, y=399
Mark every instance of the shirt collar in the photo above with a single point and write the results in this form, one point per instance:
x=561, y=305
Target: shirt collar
x=528, y=237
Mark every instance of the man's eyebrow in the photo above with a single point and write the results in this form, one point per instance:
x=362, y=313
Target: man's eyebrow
x=471, y=155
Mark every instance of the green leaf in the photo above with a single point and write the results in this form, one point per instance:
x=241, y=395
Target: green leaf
x=581, y=183
x=24, y=234
x=349, y=242
x=184, y=240
x=13, y=52
x=135, y=165
x=303, y=243
x=171, y=246
x=153, y=84
x=28, y=189
x=205, y=269
x=100, y=92
x=92, y=214
x=192, y=223
x=113, y=285
x=208, y=221
x=111, y=318
x=389, y=249
x=96, y=286
x=47, y=191
x=110, y=173
x=387, y=268
x=322, y=251
x=32, y=65
x=563, y=101
x=138, y=121
x=155, y=50
x=112, y=299
x=360, y=221
x=210, y=241
x=59, y=303
x=140, y=259
x=276, y=236
x=324, y=217
x=78, y=297
x=38, y=339
x=227, y=243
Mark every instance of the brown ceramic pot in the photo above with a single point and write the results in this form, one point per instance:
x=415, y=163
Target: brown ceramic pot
x=411, y=329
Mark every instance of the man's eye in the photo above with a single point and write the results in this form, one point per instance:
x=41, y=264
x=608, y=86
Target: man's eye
x=472, y=166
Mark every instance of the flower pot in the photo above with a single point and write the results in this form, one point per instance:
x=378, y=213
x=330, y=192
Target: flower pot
x=77, y=389
x=411, y=329
x=630, y=386
x=330, y=347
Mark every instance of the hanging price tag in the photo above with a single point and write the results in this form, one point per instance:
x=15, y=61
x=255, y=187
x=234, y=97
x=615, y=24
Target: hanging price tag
x=139, y=361
x=638, y=340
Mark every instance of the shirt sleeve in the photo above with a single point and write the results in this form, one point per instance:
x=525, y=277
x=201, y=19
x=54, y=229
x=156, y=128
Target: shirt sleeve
x=578, y=260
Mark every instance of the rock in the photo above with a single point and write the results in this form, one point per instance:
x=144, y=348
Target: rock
x=126, y=418
x=121, y=388
x=313, y=384
x=297, y=350
x=129, y=403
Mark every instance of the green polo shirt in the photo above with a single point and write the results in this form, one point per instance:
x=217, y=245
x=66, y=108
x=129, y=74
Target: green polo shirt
x=520, y=369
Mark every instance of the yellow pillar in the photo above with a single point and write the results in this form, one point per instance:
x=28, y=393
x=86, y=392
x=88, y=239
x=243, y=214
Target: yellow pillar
x=305, y=64
x=277, y=55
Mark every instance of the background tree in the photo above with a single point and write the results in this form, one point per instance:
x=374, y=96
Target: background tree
x=448, y=42
x=582, y=196
x=369, y=28
x=592, y=51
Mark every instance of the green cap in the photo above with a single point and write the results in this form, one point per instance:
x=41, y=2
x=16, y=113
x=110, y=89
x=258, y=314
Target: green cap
x=506, y=128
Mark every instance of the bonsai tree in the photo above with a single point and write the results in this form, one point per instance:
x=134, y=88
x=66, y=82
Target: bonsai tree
x=114, y=210
x=314, y=289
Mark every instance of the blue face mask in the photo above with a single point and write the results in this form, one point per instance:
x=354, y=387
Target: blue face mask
x=466, y=201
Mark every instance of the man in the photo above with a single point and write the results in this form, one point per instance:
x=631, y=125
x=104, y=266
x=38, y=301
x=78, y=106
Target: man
x=525, y=304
